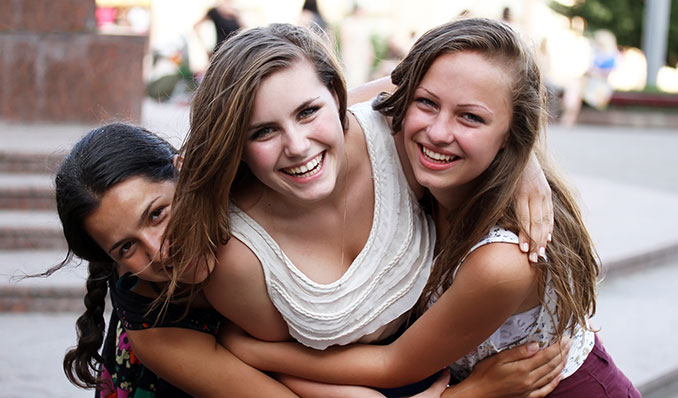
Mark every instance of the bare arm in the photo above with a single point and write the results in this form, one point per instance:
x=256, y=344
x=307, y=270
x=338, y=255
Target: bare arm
x=237, y=289
x=369, y=90
x=494, y=281
x=194, y=362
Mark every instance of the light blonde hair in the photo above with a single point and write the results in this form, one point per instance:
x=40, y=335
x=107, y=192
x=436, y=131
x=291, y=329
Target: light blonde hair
x=572, y=261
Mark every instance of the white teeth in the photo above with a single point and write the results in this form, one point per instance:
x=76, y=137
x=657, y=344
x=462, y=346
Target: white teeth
x=311, y=167
x=437, y=156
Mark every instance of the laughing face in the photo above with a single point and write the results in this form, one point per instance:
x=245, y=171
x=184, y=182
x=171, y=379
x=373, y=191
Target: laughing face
x=457, y=122
x=295, y=142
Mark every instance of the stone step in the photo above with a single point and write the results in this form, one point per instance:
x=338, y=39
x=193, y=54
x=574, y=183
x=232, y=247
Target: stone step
x=37, y=229
x=62, y=291
x=26, y=191
x=30, y=162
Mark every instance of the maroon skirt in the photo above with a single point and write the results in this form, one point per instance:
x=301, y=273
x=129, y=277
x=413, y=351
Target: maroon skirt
x=597, y=377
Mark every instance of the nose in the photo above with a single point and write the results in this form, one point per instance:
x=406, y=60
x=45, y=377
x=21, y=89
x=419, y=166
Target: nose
x=440, y=131
x=296, y=142
x=153, y=244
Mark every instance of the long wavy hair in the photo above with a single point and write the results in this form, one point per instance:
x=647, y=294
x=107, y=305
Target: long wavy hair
x=220, y=113
x=572, y=261
x=103, y=158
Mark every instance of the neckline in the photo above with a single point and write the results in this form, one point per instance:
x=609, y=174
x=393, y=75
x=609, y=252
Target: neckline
x=376, y=187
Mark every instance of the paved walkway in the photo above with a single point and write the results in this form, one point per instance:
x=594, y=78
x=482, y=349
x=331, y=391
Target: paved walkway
x=626, y=178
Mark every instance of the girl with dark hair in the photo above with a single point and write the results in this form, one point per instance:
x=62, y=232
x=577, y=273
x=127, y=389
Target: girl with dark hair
x=114, y=193
x=470, y=105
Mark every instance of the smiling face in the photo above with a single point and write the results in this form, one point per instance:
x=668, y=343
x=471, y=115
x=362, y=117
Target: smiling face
x=457, y=122
x=295, y=143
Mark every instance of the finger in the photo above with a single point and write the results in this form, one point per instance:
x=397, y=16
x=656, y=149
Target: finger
x=547, y=389
x=551, y=378
x=520, y=353
x=437, y=388
x=523, y=212
x=538, y=232
x=549, y=363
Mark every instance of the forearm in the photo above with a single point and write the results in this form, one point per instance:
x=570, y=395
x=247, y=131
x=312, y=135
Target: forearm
x=310, y=389
x=359, y=365
x=194, y=362
x=369, y=90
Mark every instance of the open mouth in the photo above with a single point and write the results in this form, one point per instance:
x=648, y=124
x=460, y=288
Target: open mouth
x=310, y=168
x=436, y=157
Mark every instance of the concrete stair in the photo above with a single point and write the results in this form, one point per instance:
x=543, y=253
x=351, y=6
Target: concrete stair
x=31, y=239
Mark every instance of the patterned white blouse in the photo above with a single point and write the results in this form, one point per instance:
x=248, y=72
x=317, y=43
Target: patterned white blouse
x=534, y=325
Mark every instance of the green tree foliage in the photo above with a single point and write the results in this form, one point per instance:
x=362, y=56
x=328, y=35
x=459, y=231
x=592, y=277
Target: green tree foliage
x=624, y=18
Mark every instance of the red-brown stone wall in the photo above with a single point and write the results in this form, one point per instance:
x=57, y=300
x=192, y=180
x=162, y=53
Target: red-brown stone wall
x=56, y=67
x=47, y=16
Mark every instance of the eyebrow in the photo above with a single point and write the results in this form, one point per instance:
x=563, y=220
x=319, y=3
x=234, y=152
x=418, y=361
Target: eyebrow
x=142, y=218
x=295, y=111
x=462, y=105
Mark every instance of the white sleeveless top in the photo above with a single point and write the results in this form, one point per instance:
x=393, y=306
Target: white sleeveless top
x=534, y=325
x=369, y=302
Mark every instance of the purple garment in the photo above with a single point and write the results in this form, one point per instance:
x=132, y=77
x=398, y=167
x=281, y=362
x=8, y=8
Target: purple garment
x=597, y=377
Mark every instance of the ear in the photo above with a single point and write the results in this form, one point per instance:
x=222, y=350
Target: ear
x=178, y=161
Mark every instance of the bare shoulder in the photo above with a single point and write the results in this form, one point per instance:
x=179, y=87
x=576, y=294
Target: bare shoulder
x=236, y=260
x=237, y=289
x=499, y=264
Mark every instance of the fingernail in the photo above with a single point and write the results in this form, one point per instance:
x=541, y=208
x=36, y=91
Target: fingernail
x=542, y=252
x=548, y=238
x=524, y=247
x=532, y=348
x=533, y=257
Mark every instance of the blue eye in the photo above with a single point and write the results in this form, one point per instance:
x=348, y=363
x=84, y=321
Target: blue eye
x=262, y=133
x=474, y=118
x=425, y=102
x=307, y=112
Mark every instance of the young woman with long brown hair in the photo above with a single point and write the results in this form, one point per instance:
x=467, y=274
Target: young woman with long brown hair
x=470, y=105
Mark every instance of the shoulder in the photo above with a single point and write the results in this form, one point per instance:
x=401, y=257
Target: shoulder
x=500, y=265
x=236, y=260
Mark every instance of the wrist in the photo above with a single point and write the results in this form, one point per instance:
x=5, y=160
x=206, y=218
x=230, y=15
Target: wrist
x=465, y=389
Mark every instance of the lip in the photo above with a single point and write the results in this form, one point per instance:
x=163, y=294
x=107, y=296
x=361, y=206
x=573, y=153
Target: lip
x=319, y=165
x=430, y=163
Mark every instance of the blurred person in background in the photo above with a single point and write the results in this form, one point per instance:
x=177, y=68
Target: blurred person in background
x=226, y=21
x=310, y=14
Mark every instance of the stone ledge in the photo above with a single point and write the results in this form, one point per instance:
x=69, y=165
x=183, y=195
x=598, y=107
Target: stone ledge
x=71, y=77
x=638, y=262
x=33, y=299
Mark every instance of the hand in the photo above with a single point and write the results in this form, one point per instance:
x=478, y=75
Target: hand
x=436, y=389
x=535, y=210
x=521, y=372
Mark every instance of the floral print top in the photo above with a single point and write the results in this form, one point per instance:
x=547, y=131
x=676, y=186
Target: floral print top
x=535, y=324
x=122, y=374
